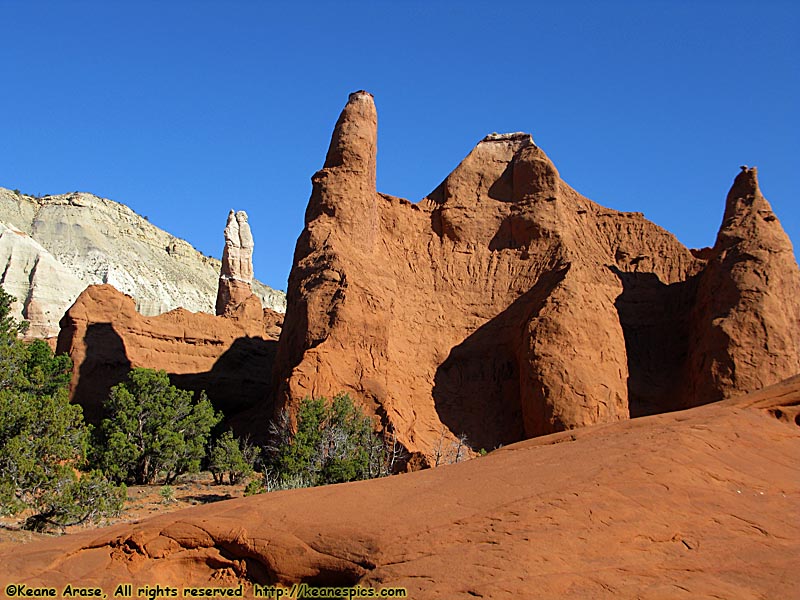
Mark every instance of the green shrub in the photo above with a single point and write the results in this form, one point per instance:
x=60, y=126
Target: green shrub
x=167, y=494
x=253, y=487
x=332, y=443
x=43, y=438
x=233, y=457
x=153, y=429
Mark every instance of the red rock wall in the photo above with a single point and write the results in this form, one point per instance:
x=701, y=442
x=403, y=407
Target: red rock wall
x=229, y=357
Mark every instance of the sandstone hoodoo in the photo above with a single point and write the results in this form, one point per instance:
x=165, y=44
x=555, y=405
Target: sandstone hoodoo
x=236, y=271
x=506, y=305
x=747, y=316
x=229, y=357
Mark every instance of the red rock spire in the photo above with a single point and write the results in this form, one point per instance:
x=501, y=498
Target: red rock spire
x=354, y=143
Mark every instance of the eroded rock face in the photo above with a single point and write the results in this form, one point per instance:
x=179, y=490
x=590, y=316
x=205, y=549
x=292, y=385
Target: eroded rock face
x=229, y=357
x=101, y=241
x=557, y=515
x=41, y=285
x=236, y=271
x=505, y=305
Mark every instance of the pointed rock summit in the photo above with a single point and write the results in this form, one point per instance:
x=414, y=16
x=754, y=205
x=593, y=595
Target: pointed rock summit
x=354, y=142
x=236, y=272
x=506, y=305
x=747, y=319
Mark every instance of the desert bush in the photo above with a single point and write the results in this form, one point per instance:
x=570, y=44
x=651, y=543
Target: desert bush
x=332, y=442
x=153, y=430
x=43, y=438
x=450, y=451
x=167, y=494
x=233, y=457
x=254, y=486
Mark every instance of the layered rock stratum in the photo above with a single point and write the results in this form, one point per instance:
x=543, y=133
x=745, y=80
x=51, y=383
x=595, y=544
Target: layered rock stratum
x=506, y=305
x=227, y=356
x=698, y=504
x=36, y=279
x=101, y=241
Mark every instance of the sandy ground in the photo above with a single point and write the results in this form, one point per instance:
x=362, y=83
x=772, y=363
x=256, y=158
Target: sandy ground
x=143, y=501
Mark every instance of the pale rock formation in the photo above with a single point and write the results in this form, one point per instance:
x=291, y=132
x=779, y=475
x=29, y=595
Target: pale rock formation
x=236, y=272
x=102, y=241
x=41, y=285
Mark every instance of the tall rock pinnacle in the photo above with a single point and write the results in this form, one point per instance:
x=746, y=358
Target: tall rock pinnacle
x=355, y=138
x=236, y=273
x=345, y=187
x=747, y=320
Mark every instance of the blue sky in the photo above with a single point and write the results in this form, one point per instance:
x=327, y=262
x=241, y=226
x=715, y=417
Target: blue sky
x=183, y=110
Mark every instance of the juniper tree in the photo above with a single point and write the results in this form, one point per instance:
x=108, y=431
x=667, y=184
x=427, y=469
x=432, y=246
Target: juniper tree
x=153, y=430
x=43, y=438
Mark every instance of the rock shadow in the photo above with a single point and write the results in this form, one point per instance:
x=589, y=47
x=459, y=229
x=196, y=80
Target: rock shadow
x=239, y=383
x=655, y=320
x=106, y=364
x=477, y=389
x=206, y=498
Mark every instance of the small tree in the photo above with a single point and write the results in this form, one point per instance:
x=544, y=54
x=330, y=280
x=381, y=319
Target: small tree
x=387, y=455
x=45, y=373
x=234, y=457
x=153, y=429
x=331, y=443
x=347, y=440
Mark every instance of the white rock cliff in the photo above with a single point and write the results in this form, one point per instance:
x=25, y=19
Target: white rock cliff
x=96, y=241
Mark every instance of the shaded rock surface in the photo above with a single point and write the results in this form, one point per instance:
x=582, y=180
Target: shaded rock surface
x=101, y=241
x=505, y=305
x=236, y=271
x=698, y=503
x=229, y=357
